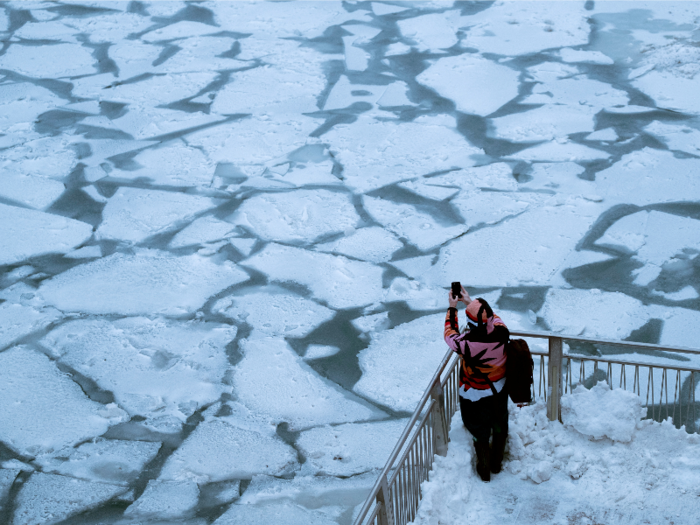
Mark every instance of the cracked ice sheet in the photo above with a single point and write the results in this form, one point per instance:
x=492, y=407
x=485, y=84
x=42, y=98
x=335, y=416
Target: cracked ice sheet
x=103, y=28
x=49, y=234
x=310, y=19
x=48, y=498
x=556, y=151
x=149, y=283
x=38, y=397
x=345, y=94
x=476, y=85
x=153, y=91
x=563, y=312
x=646, y=235
x=522, y=28
x=144, y=122
x=134, y=214
x=544, y=123
x=399, y=383
x=635, y=179
x=418, y=228
x=432, y=32
x=274, y=311
x=300, y=216
x=161, y=370
x=201, y=54
x=173, y=164
x=575, y=91
x=560, y=177
x=680, y=138
x=371, y=244
x=376, y=153
x=31, y=157
x=277, y=385
x=218, y=450
x=490, y=207
x=35, y=192
x=350, y=449
x=251, y=142
x=287, y=513
x=528, y=249
x=48, y=61
x=334, y=279
x=105, y=461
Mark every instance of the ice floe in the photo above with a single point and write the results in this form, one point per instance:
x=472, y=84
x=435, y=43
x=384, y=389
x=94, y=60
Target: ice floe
x=679, y=138
x=476, y=85
x=649, y=176
x=218, y=451
x=529, y=248
x=593, y=313
x=417, y=295
x=203, y=230
x=345, y=93
x=371, y=244
x=556, y=151
x=155, y=369
x=117, y=462
x=418, y=228
x=274, y=382
x=645, y=234
x=39, y=397
x=298, y=216
x=607, y=134
x=143, y=122
x=544, y=123
x=47, y=61
x=275, y=312
x=48, y=498
x=577, y=91
x=334, y=279
x=433, y=31
x=50, y=234
x=19, y=320
x=399, y=362
x=346, y=450
x=489, y=207
x=288, y=513
x=23, y=102
x=148, y=282
x=134, y=214
x=165, y=500
x=591, y=57
x=516, y=28
x=376, y=153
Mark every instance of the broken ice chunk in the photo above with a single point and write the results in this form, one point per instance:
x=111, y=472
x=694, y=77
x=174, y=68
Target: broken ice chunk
x=320, y=351
x=287, y=513
x=590, y=57
x=49, y=234
x=476, y=85
x=275, y=312
x=149, y=282
x=165, y=500
x=48, y=61
x=346, y=450
x=44, y=410
x=18, y=320
x=680, y=138
x=218, y=451
x=301, y=215
x=134, y=214
x=369, y=244
x=202, y=230
x=339, y=281
x=420, y=229
x=272, y=380
x=399, y=383
x=48, y=498
x=431, y=32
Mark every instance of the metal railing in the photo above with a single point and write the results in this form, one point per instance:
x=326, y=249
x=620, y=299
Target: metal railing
x=395, y=497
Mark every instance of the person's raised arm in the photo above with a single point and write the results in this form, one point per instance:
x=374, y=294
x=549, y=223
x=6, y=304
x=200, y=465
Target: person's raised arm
x=452, y=323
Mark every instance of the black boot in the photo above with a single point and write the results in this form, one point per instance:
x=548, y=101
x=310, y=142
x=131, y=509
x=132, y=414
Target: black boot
x=498, y=445
x=482, y=460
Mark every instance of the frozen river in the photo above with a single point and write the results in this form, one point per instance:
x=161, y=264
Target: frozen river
x=228, y=229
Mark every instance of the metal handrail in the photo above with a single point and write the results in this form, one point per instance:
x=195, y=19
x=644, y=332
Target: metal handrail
x=396, y=495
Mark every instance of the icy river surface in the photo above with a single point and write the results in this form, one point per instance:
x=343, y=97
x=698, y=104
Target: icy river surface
x=228, y=229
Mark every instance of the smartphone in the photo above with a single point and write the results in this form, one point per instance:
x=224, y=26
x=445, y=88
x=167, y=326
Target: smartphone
x=457, y=290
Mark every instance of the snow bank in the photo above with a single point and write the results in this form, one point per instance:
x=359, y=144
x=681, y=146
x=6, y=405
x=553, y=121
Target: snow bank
x=601, y=412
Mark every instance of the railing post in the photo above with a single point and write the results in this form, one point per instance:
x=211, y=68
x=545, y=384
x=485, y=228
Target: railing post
x=440, y=428
x=554, y=375
x=386, y=511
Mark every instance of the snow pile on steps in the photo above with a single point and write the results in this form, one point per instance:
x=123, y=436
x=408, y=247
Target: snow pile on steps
x=604, y=464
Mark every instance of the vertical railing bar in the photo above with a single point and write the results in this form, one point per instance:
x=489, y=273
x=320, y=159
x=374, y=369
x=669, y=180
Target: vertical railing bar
x=610, y=375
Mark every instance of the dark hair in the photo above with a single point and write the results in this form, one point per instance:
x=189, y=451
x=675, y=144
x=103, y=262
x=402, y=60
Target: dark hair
x=485, y=307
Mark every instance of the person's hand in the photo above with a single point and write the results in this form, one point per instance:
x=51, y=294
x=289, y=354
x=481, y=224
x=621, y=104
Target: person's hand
x=465, y=297
x=452, y=300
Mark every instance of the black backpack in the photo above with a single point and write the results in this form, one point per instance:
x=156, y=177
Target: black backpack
x=519, y=371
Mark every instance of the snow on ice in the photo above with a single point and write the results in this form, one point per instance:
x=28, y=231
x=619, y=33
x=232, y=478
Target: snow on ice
x=165, y=500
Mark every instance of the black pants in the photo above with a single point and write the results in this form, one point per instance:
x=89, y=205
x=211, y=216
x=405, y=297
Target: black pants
x=487, y=414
